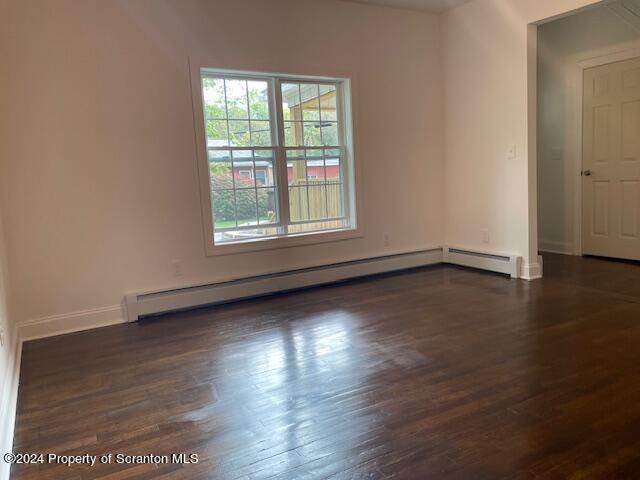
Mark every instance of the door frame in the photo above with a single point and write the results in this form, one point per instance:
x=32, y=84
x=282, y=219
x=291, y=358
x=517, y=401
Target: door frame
x=576, y=66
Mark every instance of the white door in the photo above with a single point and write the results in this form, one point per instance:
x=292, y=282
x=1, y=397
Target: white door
x=611, y=160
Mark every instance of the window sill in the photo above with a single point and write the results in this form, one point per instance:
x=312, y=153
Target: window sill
x=282, y=242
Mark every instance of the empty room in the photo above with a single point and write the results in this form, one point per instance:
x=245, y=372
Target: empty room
x=319, y=239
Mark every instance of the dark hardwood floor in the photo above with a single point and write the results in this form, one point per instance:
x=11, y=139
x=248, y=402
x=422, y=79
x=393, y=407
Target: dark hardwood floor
x=438, y=373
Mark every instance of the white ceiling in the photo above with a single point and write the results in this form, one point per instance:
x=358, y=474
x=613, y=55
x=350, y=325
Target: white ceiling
x=425, y=5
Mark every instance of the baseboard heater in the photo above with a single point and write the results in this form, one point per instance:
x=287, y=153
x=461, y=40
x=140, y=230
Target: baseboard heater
x=149, y=303
x=507, y=264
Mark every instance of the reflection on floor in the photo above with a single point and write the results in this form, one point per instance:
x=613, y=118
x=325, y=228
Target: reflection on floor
x=435, y=373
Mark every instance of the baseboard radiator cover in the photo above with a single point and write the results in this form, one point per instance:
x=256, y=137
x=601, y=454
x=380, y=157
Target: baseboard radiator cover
x=500, y=263
x=138, y=305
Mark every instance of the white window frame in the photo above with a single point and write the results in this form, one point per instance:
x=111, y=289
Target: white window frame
x=352, y=191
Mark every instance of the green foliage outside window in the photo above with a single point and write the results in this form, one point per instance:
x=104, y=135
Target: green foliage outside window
x=244, y=100
x=226, y=207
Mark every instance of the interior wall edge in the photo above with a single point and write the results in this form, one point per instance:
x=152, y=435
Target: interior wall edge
x=532, y=270
x=9, y=403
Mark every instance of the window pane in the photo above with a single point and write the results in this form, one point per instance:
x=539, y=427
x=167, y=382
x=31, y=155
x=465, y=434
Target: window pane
x=311, y=112
x=239, y=133
x=224, y=209
x=264, y=168
x=267, y=205
x=244, y=178
x=245, y=155
x=317, y=202
x=298, y=204
x=258, y=99
x=246, y=208
x=261, y=231
x=267, y=154
x=243, y=168
x=312, y=135
x=213, y=96
x=297, y=172
x=319, y=226
x=328, y=105
x=295, y=154
x=215, y=155
x=315, y=170
x=260, y=134
x=217, y=134
x=314, y=154
x=334, y=200
x=237, y=106
x=310, y=102
x=309, y=93
x=292, y=134
x=330, y=133
x=220, y=169
x=262, y=177
x=332, y=167
x=332, y=152
x=291, y=101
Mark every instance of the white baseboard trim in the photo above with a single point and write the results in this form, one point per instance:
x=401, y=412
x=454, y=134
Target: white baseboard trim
x=532, y=271
x=151, y=302
x=156, y=302
x=550, y=246
x=8, y=405
x=69, y=322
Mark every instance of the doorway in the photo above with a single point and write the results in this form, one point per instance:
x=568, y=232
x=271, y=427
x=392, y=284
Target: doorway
x=588, y=132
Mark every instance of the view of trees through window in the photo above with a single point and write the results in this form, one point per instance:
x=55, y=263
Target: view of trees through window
x=242, y=139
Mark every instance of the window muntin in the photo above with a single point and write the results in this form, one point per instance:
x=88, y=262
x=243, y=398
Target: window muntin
x=265, y=131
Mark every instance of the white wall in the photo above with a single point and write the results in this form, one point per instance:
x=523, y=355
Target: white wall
x=562, y=44
x=488, y=80
x=99, y=183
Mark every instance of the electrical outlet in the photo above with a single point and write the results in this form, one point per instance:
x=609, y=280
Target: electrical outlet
x=177, y=268
x=385, y=237
x=1, y=337
x=485, y=235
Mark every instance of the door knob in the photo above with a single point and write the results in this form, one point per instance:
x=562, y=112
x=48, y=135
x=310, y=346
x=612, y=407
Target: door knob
x=587, y=173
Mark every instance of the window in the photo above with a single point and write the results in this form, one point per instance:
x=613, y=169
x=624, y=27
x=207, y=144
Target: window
x=261, y=178
x=278, y=157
